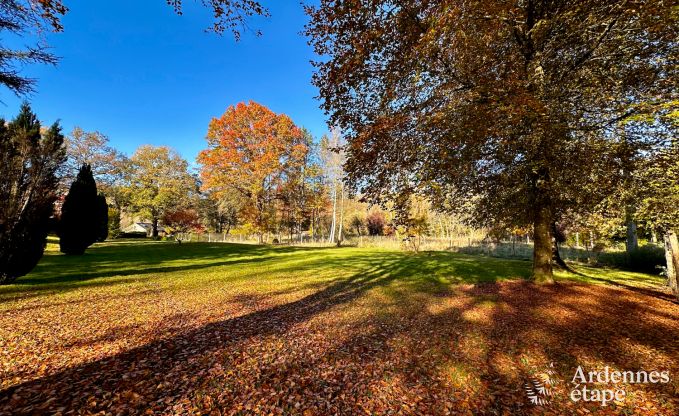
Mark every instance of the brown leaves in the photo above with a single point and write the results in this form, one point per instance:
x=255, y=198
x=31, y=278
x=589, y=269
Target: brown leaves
x=342, y=348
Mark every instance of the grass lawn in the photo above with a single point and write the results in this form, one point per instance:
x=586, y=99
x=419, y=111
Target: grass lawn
x=160, y=328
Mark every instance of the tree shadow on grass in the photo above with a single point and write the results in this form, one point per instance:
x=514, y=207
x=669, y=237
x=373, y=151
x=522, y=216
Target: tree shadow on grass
x=163, y=360
x=397, y=356
x=60, y=273
x=475, y=356
x=175, y=357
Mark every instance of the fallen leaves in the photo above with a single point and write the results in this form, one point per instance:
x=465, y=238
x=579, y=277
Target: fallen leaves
x=353, y=345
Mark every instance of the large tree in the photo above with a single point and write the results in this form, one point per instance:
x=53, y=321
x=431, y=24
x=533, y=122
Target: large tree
x=158, y=182
x=36, y=17
x=29, y=160
x=252, y=151
x=515, y=106
x=92, y=148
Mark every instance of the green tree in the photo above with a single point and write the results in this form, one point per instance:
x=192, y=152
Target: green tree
x=113, y=222
x=158, y=182
x=512, y=105
x=220, y=213
x=84, y=215
x=659, y=205
x=29, y=161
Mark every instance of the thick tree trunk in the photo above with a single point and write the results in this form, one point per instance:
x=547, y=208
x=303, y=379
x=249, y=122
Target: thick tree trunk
x=154, y=223
x=542, y=246
x=672, y=258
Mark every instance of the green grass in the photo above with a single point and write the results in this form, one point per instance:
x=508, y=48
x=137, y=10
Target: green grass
x=262, y=268
x=185, y=329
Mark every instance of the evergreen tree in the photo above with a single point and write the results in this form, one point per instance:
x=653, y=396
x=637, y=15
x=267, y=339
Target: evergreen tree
x=29, y=161
x=80, y=226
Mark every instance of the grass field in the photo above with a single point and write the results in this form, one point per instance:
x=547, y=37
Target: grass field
x=160, y=328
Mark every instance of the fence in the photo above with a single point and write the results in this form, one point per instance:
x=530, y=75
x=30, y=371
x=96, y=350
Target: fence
x=649, y=258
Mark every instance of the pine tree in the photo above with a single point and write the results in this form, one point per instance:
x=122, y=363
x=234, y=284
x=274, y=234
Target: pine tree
x=29, y=161
x=80, y=226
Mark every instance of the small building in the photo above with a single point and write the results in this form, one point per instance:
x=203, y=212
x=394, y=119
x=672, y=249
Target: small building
x=143, y=227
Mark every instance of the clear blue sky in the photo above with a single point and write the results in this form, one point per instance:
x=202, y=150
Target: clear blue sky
x=140, y=74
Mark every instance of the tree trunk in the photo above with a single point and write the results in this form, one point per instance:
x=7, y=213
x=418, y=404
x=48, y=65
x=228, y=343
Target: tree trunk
x=341, y=218
x=632, y=243
x=672, y=258
x=556, y=257
x=154, y=233
x=542, y=247
x=331, y=236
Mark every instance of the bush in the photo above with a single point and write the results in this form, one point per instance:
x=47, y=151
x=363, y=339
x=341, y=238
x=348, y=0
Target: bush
x=102, y=218
x=649, y=259
x=375, y=223
x=114, y=222
x=134, y=234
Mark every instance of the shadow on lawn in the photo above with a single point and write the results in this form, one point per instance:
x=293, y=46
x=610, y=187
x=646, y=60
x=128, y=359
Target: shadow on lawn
x=400, y=355
x=167, y=359
x=112, y=265
x=117, y=262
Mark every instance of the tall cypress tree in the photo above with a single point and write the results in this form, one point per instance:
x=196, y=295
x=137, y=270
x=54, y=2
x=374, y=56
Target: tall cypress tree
x=79, y=226
x=29, y=161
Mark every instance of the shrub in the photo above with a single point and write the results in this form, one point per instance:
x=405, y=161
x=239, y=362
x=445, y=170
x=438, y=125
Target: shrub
x=375, y=223
x=649, y=259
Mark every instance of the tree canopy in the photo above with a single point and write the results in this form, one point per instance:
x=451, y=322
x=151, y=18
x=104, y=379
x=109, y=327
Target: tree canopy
x=84, y=215
x=158, y=182
x=515, y=106
x=252, y=151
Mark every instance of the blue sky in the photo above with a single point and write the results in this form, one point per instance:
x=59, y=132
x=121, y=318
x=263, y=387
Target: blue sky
x=143, y=75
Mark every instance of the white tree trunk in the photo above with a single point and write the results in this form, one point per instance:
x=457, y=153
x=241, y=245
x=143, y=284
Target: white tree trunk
x=341, y=218
x=672, y=258
x=331, y=237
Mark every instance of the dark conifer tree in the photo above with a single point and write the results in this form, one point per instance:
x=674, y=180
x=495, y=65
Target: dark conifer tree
x=79, y=226
x=29, y=161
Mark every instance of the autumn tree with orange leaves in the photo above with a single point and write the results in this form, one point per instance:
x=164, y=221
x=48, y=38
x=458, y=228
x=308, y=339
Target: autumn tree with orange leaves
x=252, y=151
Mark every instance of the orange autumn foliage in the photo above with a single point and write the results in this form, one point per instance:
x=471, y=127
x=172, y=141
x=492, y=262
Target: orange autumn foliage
x=251, y=150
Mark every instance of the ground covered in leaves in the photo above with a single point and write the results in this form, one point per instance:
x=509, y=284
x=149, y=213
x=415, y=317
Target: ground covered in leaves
x=159, y=328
